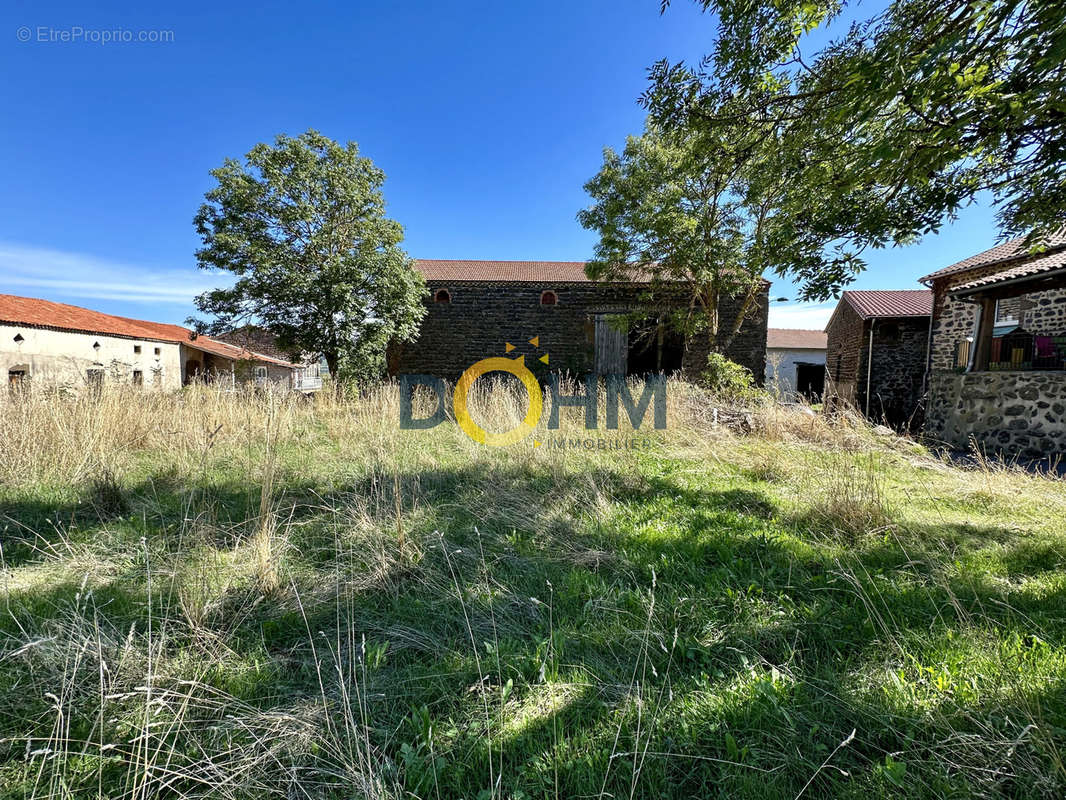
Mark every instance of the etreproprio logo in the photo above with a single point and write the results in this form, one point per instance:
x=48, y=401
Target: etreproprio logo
x=617, y=392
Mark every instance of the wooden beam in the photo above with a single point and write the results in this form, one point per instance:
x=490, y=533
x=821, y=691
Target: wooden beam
x=986, y=321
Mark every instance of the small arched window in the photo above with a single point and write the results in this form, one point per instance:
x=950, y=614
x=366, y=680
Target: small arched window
x=442, y=296
x=549, y=298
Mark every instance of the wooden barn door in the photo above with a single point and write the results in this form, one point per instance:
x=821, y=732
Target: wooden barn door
x=612, y=346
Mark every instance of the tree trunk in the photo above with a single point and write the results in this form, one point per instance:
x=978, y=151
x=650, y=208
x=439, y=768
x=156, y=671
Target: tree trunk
x=332, y=360
x=711, y=307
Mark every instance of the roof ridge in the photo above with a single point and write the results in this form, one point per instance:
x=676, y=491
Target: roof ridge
x=506, y=260
x=893, y=291
x=870, y=303
x=1055, y=242
x=104, y=324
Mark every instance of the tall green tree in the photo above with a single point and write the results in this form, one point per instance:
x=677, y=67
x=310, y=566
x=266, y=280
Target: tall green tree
x=905, y=117
x=699, y=214
x=301, y=224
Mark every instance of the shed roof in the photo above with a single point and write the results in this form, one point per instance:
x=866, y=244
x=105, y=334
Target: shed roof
x=890, y=302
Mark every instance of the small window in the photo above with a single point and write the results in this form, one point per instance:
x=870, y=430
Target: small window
x=95, y=379
x=891, y=332
x=16, y=378
x=1008, y=311
x=19, y=339
x=260, y=373
x=138, y=377
x=549, y=298
x=157, y=351
x=442, y=296
x=137, y=348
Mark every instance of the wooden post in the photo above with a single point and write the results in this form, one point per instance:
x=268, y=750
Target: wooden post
x=986, y=321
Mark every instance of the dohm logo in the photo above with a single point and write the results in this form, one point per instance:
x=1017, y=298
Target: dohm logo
x=617, y=394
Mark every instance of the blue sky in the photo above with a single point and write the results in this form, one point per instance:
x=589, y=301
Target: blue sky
x=486, y=117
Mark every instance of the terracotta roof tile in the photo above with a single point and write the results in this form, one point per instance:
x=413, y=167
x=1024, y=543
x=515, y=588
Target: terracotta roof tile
x=1048, y=262
x=795, y=339
x=508, y=271
x=176, y=333
x=1005, y=251
x=47, y=314
x=445, y=270
x=891, y=302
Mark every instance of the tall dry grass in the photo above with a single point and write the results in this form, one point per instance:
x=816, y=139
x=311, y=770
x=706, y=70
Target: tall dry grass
x=48, y=437
x=153, y=686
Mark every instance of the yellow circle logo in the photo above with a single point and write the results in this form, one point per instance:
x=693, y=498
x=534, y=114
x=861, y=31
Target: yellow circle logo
x=517, y=368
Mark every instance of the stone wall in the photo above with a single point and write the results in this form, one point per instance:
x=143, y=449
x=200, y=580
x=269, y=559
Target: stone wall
x=897, y=377
x=1044, y=313
x=482, y=317
x=747, y=349
x=1040, y=313
x=844, y=343
x=1014, y=413
x=953, y=322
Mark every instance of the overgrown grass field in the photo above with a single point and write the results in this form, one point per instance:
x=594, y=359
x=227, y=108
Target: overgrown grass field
x=251, y=595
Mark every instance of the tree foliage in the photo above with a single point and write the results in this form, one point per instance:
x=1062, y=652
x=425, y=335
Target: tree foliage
x=301, y=224
x=697, y=211
x=902, y=120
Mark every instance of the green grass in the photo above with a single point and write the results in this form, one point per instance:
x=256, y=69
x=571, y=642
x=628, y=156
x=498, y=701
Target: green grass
x=767, y=616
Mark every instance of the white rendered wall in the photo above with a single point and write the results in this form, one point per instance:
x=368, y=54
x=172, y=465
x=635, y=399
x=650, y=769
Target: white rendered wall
x=781, y=367
x=65, y=357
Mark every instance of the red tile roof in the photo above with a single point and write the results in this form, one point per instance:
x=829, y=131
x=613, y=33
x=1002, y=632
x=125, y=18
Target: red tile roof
x=890, y=302
x=176, y=333
x=1036, y=265
x=1005, y=251
x=47, y=314
x=508, y=271
x=795, y=339
x=447, y=270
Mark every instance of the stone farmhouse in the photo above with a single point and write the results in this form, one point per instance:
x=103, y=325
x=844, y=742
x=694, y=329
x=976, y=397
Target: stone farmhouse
x=477, y=308
x=312, y=367
x=795, y=362
x=997, y=362
x=877, y=344
x=58, y=344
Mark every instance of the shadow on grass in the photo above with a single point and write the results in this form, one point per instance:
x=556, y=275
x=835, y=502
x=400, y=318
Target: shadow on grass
x=694, y=622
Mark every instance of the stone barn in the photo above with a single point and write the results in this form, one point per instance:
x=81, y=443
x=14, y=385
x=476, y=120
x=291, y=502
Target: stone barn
x=997, y=375
x=477, y=308
x=877, y=344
